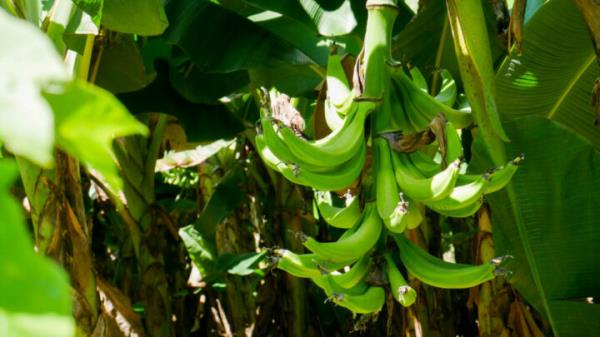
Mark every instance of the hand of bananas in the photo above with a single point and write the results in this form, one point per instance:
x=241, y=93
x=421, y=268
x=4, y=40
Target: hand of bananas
x=416, y=160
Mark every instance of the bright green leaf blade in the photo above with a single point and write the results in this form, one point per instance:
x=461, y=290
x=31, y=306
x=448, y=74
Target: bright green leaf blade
x=35, y=297
x=141, y=17
x=555, y=74
x=26, y=122
x=201, y=250
x=88, y=119
x=548, y=220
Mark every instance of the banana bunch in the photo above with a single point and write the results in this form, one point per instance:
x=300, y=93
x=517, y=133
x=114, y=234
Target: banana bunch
x=416, y=161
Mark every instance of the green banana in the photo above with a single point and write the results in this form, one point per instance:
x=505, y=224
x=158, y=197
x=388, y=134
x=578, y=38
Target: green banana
x=354, y=246
x=362, y=299
x=355, y=274
x=425, y=107
x=280, y=149
x=454, y=148
x=339, y=94
x=461, y=196
x=447, y=94
x=464, y=212
x=339, y=216
x=402, y=292
x=336, y=148
x=499, y=178
x=424, y=163
x=303, y=265
x=423, y=188
x=418, y=79
x=334, y=180
x=439, y=273
x=397, y=213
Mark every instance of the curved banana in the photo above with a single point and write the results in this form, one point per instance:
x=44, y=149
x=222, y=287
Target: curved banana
x=280, y=150
x=402, y=292
x=425, y=106
x=303, y=265
x=447, y=94
x=339, y=93
x=454, y=148
x=354, y=246
x=461, y=196
x=499, y=178
x=439, y=273
x=390, y=206
x=336, y=179
x=423, y=188
x=418, y=79
x=424, y=163
x=464, y=212
x=363, y=299
x=355, y=274
x=336, y=148
x=339, y=216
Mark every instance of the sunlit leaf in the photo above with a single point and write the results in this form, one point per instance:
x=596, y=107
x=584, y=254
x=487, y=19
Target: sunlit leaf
x=35, y=295
x=26, y=121
x=88, y=119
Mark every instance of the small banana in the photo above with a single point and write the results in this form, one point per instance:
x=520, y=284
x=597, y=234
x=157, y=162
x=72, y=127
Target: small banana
x=418, y=79
x=461, y=196
x=499, y=178
x=303, y=265
x=439, y=273
x=423, y=188
x=423, y=106
x=339, y=93
x=447, y=94
x=402, y=292
x=463, y=212
x=336, y=148
x=362, y=299
x=354, y=246
x=336, y=215
x=355, y=274
x=453, y=143
x=336, y=179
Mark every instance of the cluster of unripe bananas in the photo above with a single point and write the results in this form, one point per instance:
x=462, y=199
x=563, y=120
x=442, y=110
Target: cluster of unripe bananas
x=416, y=154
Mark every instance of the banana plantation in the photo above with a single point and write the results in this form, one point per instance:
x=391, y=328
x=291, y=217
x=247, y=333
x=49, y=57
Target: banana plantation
x=302, y=168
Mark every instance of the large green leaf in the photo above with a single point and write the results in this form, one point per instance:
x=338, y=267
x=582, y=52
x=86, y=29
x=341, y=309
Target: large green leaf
x=555, y=74
x=35, y=298
x=548, y=220
x=202, y=122
x=26, y=122
x=547, y=217
x=88, y=119
x=239, y=44
x=141, y=17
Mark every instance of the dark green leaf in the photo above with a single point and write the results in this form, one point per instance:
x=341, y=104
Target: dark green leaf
x=239, y=44
x=202, y=122
x=122, y=67
x=243, y=264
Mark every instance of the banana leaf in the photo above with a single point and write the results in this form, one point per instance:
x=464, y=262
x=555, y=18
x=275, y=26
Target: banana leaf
x=548, y=217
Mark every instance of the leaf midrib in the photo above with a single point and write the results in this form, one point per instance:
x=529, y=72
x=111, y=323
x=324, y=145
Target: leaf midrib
x=570, y=85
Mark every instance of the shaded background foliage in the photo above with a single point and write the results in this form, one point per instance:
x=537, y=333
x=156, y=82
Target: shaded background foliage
x=178, y=250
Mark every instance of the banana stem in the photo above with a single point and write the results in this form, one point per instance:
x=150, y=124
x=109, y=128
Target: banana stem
x=377, y=46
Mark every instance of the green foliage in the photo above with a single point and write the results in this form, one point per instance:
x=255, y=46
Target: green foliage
x=26, y=119
x=35, y=295
x=87, y=120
